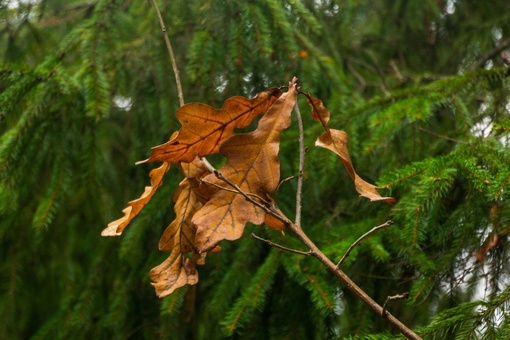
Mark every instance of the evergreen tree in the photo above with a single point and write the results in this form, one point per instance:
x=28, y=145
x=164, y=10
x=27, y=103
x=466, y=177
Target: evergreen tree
x=422, y=89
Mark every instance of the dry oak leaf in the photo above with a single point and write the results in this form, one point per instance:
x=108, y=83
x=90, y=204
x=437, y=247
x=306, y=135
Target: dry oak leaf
x=175, y=272
x=336, y=141
x=319, y=112
x=204, y=128
x=116, y=227
x=252, y=164
x=180, y=233
x=178, y=237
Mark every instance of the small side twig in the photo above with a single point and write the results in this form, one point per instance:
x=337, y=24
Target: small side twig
x=393, y=298
x=279, y=246
x=171, y=53
x=365, y=235
x=283, y=181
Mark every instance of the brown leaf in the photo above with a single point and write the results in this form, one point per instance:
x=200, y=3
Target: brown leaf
x=178, y=238
x=204, y=128
x=175, y=272
x=116, y=227
x=336, y=141
x=271, y=221
x=186, y=205
x=319, y=111
x=252, y=164
x=488, y=244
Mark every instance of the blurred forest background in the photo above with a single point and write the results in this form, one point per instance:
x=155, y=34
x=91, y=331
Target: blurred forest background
x=421, y=87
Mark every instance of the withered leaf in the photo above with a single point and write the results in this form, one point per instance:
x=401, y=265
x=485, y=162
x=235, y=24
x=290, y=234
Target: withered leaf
x=204, y=128
x=488, y=244
x=252, y=164
x=336, y=141
x=186, y=205
x=178, y=238
x=116, y=227
x=175, y=272
x=319, y=111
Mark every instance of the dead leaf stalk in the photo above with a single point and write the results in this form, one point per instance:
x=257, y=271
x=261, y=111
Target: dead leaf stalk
x=365, y=235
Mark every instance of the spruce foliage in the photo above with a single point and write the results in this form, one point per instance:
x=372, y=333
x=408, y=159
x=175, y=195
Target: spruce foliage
x=422, y=88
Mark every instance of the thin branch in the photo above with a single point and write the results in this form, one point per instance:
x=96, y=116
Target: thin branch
x=491, y=54
x=442, y=137
x=283, y=181
x=276, y=245
x=393, y=298
x=302, y=152
x=368, y=233
x=208, y=165
x=171, y=53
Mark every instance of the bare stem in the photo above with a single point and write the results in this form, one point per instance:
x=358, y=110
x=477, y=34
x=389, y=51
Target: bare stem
x=276, y=245
x=393, y=298
x=171, y=53
x=302, y=151
x=208, y=165
x=365, y=235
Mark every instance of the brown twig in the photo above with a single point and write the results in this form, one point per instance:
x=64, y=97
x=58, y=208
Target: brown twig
x=276, y=245
x=171, y=53
x=393, y=298
x=283, y=181
x=365, y=235
x=208, y=165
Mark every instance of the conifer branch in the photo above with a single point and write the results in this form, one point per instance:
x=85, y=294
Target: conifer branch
x=171, y=53
x=365, y=235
